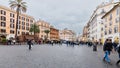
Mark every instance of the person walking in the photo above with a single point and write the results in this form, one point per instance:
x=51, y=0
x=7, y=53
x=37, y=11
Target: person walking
x=95, y=45
x=108, y=46
x=118, y=50
x=52, y=42
x=13, y=41
x=115, y=45
x=29, y=42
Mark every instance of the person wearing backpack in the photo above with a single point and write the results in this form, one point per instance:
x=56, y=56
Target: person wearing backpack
x=118, y=50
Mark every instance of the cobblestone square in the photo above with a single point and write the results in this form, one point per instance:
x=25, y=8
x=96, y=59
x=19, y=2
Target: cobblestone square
x=47, y=56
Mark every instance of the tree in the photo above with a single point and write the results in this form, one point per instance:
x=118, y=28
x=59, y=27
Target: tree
x=19, y=5
x=47, y=32
x=35, y=29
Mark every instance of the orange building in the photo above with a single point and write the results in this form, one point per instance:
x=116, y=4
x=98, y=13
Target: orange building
x=43, y=25
x=8, y=22
x=54, y=33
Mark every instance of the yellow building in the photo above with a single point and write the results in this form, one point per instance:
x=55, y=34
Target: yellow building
x=111, y=21
x=85, y=33
x=8, y=22
x=43, y=26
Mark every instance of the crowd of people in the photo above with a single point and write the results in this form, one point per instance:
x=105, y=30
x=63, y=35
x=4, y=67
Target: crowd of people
x=108, y=47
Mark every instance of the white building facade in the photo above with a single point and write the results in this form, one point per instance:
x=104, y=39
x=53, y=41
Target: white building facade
x=95, y=22
x=67, y=35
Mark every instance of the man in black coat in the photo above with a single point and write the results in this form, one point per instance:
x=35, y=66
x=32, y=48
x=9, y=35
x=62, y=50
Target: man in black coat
x=29, y=42
x=108, y=46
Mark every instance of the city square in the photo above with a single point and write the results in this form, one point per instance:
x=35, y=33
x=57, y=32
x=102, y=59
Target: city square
x=60, y=34
x=56, y=56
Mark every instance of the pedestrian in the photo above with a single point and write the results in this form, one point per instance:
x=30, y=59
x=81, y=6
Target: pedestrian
x=118, y=50
x=95, y=45
x=29, y=42
x=39, y=42
x=108, y=46
x=115, y=45
x=13, y=41
x=52, y=42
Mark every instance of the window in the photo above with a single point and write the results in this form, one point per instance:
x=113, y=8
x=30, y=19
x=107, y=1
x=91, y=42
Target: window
x=18, y=26
x=12, y=31
x=19, y=17
x=23, y=27
x=23, y=18
x=105, y=26
x=102, y=11
x=101, y=29
x=19, y=22
x=11, y=25
x=23, y=33
x=27, y=28
x=3, y=18
x=18, y=32
x=110, y=17
x=3, y=12
x=110, y=23
x=105, y=32
x=115, y=29
x=117, y=20
x=110, y=31
x=12, y=15
x=3, y=24
x=3, y=31
x=12, y=20
x=23, y=23
x=27, y=33
x=27, y=19
x=27, y=24
x=117, y=11
x=31, y=21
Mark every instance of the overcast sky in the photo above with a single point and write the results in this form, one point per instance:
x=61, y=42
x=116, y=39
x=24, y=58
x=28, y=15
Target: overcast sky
x=71, y=14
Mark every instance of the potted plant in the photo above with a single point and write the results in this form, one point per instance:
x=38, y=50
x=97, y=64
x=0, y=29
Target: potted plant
x=4, y=41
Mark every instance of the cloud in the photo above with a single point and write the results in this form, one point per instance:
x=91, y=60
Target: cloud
x=71, y=14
